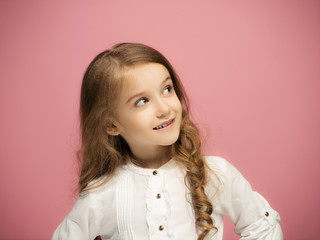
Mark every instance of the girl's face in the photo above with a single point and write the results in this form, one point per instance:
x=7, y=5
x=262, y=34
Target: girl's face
x=148, y=113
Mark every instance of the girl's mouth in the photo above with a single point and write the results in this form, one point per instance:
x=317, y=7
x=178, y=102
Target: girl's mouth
x=166, y=124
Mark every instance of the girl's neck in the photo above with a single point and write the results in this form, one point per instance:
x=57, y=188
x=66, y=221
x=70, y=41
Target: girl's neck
x=152, y=158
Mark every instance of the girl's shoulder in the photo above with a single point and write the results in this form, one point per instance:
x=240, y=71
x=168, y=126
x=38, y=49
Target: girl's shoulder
x=222, y=174
x=102, y=186
x=220, y=165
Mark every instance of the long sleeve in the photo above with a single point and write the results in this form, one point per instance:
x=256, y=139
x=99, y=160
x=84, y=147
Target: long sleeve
x=80, y=223
x=249, y=211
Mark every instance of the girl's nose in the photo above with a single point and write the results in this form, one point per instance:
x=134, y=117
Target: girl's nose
x=163, y=109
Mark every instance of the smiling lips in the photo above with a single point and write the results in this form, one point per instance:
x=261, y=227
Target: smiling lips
x=166, y=124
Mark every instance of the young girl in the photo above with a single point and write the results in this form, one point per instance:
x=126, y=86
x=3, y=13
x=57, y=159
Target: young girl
x=143, y=175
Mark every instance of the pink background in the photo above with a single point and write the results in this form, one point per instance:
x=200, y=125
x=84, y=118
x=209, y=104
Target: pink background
x=251, y=68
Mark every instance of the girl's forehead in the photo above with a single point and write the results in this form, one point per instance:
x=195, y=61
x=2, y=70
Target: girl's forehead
x=145, y=70
x=142, y=74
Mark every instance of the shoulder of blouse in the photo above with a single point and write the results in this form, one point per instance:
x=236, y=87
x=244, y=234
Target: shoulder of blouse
x=217, y=164
x=222, y=177
x=217, y=172
x=102, y=185
x=220, y=169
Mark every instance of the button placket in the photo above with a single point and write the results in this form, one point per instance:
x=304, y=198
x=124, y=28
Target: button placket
x=157, y=213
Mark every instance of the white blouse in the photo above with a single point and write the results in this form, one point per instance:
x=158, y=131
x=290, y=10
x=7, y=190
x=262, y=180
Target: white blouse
x=140, y=204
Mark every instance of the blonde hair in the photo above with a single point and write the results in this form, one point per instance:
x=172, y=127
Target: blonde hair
x=101, y=154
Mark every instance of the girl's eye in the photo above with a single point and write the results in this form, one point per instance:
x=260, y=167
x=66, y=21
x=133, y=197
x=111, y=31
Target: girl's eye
x=167, y=90
x=141, y=102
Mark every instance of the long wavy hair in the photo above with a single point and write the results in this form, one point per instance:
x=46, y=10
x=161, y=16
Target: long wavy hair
x=101, y=154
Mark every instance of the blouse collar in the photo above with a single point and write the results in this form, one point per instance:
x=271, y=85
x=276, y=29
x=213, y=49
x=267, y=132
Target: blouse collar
x=149, y=171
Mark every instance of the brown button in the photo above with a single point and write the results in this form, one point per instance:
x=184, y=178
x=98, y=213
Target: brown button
x=161, y=228
x=158, y=195
x=154, y=172
x=267, y=214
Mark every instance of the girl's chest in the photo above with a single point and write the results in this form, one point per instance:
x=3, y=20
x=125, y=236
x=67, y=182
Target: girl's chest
x=148, y=207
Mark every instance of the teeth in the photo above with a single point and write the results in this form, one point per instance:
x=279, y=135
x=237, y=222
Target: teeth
x=164, y=125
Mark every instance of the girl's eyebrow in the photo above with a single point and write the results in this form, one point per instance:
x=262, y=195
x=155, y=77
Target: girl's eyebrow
x=142, y=93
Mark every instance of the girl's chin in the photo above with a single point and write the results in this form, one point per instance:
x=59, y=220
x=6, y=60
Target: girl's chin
x=172, y=142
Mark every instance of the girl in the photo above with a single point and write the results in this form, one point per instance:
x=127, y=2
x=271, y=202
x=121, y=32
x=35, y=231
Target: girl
x=143, y=175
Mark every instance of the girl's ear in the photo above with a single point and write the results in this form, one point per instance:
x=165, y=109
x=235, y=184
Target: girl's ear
x=112, y=129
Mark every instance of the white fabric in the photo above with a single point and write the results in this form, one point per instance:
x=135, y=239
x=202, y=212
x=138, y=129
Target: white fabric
x=129, y=207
